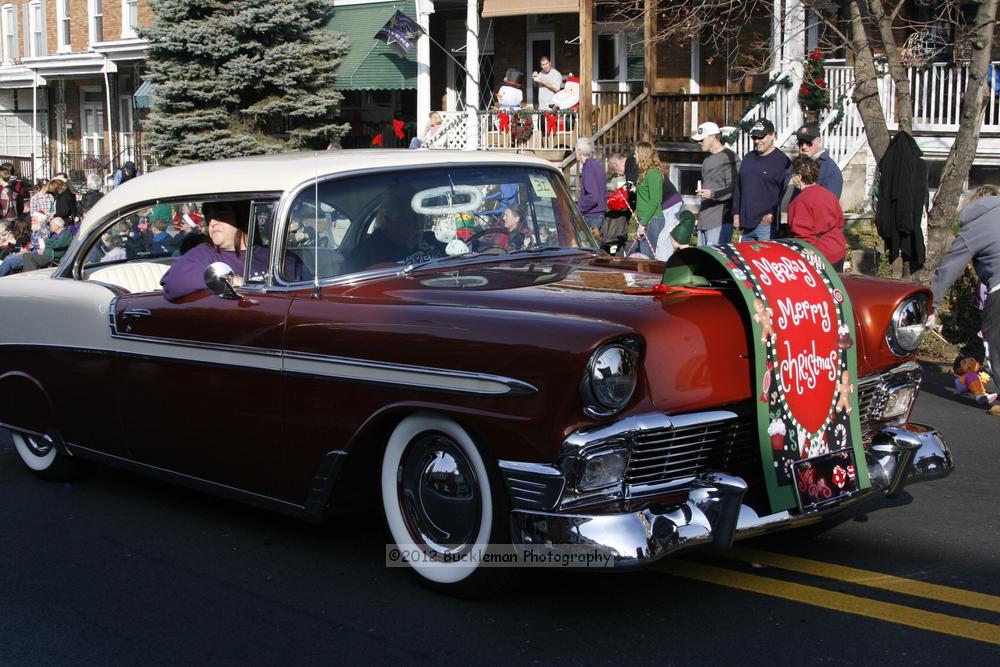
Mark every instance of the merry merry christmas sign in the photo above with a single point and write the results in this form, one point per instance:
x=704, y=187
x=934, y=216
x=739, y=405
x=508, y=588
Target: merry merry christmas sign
x=805, y=371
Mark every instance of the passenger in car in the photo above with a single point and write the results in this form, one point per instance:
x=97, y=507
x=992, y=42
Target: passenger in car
x=227, y=242
x=518, y=232
x=115, y=251
x=399, y=238
x=161, y=243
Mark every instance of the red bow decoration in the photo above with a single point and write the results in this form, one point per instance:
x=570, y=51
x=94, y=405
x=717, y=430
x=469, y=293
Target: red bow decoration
x=551, y=122
x=503, y=122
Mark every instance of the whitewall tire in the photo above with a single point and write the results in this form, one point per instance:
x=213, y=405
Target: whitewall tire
x=39, y=454
x=442, y=501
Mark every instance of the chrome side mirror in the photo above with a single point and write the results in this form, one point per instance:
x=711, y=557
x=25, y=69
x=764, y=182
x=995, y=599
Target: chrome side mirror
x=219, y=277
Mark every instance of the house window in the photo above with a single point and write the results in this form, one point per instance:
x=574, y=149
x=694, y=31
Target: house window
x=619, y=56
x=635, y=56
x=130, y=17
x=8, y=15
x=607, y=57
x=96, y=21
x=36, y=28
x=63, y=25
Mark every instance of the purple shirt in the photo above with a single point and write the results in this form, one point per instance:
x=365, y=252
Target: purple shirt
x=187, y=274
x=593, y=188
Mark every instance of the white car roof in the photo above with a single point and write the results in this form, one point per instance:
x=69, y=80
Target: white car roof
x=277, y=173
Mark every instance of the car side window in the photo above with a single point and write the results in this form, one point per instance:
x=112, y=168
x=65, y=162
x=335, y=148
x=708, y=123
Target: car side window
x=313, y=238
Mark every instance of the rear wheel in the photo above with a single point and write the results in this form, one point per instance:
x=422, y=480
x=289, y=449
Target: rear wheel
x=39, y=454
x=444, y=505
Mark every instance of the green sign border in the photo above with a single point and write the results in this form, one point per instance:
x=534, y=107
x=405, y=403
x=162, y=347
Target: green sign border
x=782, y=497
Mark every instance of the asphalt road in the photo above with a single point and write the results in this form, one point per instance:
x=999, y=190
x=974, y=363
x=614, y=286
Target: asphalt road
x=118, y=569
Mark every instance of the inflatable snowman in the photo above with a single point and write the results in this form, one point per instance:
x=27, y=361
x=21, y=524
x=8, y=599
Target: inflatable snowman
x=509, y=97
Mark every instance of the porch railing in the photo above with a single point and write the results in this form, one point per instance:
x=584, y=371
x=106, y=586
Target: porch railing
x=548, y=131
x=677, y=116
x=608, y=104
x=78, y=166
x=937, y=96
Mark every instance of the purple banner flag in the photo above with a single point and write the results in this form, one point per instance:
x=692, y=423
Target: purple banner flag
x=400, y=33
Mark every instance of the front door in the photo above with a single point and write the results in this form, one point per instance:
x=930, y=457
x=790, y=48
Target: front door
x=199, y=387
x=199, y=378
x=126, y=137
x=92, y=122
x=539, y=44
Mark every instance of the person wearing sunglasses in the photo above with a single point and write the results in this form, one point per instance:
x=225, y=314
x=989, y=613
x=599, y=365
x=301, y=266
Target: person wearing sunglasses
x=760, y=184
x=811, y=145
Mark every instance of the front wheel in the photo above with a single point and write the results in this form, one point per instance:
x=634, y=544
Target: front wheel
x=444, y=505
x=39, y=454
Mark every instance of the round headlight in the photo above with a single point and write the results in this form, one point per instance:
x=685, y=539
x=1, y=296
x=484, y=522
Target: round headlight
x=907, y=326
x=610, y=378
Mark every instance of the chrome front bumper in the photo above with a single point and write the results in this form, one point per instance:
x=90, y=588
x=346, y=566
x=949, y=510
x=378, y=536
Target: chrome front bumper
x=714, y=513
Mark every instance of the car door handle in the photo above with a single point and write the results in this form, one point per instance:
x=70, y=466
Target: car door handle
x=136, y=313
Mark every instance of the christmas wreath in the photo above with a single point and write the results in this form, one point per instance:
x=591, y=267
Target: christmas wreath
x=522, y=126
x=813, y=93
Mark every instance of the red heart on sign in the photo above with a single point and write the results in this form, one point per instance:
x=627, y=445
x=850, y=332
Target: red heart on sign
x=807, y=358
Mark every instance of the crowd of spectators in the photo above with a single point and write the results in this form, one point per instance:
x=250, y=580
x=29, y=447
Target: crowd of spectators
x=38, y=224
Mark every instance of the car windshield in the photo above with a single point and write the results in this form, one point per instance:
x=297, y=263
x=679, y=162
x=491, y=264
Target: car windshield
x=410, y=217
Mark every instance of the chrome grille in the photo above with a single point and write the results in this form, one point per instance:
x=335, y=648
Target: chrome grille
x=873, y=392
x=673, y=456
x=871, y=401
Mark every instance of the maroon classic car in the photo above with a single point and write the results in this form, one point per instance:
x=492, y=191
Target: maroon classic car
x=440, y=334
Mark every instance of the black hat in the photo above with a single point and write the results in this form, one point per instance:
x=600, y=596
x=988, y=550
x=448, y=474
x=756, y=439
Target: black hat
x=514, y=77
x=762, y=128
x=807, y=134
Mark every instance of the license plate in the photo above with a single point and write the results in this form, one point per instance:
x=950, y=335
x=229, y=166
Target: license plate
x=825, y=480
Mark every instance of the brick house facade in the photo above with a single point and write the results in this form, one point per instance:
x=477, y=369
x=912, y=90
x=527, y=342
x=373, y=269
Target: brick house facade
x=69, y=72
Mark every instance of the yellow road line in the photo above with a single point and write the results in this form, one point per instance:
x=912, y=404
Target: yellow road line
x=868, y=578
x=850, y=604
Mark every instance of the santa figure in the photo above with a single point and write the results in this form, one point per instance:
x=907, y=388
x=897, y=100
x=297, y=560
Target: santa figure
x=566, y=99
x=509, y=97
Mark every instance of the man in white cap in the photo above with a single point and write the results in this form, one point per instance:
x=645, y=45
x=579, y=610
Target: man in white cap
x=718, y=177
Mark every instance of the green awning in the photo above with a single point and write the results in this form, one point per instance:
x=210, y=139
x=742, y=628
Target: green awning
x=143, y=96
x=371, y=64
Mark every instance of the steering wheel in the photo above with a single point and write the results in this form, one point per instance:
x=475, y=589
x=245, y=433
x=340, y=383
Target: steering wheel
x=474, y=239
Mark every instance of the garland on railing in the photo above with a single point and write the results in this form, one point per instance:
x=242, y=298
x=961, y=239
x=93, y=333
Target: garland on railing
x=839, y=108
x=764, y=99
x=521, y=123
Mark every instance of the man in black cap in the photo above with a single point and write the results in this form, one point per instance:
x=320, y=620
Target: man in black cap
x=811, y=145
x=764, y=174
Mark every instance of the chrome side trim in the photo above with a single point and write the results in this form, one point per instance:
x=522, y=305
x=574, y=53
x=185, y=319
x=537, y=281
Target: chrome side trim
x=347, y=369
x=423, y=377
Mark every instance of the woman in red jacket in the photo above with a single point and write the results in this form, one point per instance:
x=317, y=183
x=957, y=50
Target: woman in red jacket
x=815, y=216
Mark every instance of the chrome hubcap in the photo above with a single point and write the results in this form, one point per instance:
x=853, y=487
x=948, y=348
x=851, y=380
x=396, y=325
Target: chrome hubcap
x=439, y=494
x=37, y=445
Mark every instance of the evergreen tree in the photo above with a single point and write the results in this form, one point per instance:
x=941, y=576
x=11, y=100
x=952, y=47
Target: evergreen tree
x=241, y=77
